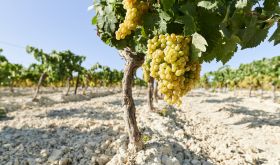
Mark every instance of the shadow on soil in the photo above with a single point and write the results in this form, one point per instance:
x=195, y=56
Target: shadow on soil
x=137, y=102
x=225, y=100
x=255, y=117
x=85, y=112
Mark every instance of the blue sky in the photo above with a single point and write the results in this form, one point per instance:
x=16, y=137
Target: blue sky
x=66, y=24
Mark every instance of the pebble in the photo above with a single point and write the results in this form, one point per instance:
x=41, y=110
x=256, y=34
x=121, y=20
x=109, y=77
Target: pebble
x=55, y=155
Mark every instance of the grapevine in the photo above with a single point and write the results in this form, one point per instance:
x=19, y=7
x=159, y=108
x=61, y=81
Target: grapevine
x=168, y=61
x=134, y=11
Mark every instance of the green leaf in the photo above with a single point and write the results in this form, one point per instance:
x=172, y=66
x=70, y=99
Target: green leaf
x=188, y=7
x=195, y=53
x=270, y=5
x=252, y=35
x=199, y=42
x=162, y=26
x=208, y=5
x=226, y=48
x=165, y=16
x=211, y=32
x=240, y=4
x=94, y=20
x=189, y=23
x=167, y=4
x=276, y=35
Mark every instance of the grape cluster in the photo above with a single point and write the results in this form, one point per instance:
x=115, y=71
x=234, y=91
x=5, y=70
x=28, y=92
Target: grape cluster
x=134, y=11
x=168, y=61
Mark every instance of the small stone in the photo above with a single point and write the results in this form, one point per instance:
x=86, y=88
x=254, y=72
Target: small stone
x=9, y=163
x=44, y=153
x=206, y=163
x=103, y=159
x=140, y=157
x=180, y=156
x=179, y=134
x=123, y=137
x=254, y=150
x=39, y=160
x=45, y=136
x=248, y=158
x=196, y=162
x=175, y=161
x=7, y=145
x=88, y=151
x=16, y=162
x=65, y=161
x=56, y=154
x=93, y=159
x=97, y=151
x=91, y=144
x=31, y=161
x=166, y=150
x=186, y=162
x=169, y=160
x=20, y=147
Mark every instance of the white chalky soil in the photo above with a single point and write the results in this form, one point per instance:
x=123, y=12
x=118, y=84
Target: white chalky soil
x=209, y=128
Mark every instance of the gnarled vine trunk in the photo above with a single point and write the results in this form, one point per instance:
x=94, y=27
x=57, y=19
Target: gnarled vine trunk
x=262, y=91
x=85, y=87
x=77, y=84
x=274, y=97
x=156, y=92
x=133, y=62
x=11, y=86
x=235, y=91
x=42, y=78
x=250, y=93
x=150, y=93
x=68, y=85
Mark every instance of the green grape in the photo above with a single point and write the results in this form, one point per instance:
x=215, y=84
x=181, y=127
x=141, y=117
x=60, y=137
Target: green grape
x=168, y=56
x=134, y=12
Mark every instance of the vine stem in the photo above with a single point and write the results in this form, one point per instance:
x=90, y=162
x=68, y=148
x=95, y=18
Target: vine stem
x=133, y=62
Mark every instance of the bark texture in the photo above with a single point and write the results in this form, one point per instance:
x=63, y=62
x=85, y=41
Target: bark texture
x=250, y=93
x=133, y=62
x=11, y=85
x=262, y=91
x=42, y=78
x=235, y=91
x=274, y=97
x=150, y=93
x=156, y=92
x=77, y=84
x=68, y=85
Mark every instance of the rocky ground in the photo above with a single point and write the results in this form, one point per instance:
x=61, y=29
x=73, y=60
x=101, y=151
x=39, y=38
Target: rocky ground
x=209, y=128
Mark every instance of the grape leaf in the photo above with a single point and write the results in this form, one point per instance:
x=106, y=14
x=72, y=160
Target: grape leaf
x=210, y=31
x=94, y=20
x=164, y=15
x=199, y=42
x=167, y=4
x=189, y=8
x=228, y=47
x=162, y=26
x=270, y=5
x=241, y=4
x=225, y=49
x=276, y=35
x=188, y=22
x=208, y=5
x=252, y=35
